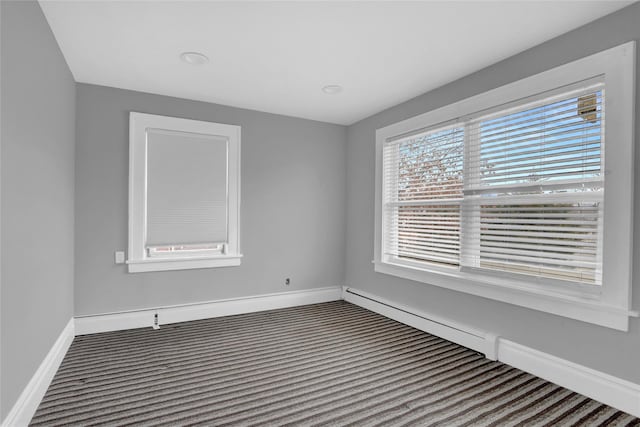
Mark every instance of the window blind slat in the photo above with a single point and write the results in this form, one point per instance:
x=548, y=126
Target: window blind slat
x=535, y=156
x=556, y=246
x=514, y=136
x=508, y=148
x=525, y=114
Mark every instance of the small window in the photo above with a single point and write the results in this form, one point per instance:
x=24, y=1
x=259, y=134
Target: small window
x=184, y=186
x=520, y=194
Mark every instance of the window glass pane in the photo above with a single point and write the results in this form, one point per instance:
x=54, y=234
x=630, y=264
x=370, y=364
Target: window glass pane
x=426, y=233
x=430, y=166
x=548, y=143
x=552, y=239
x=424, y=180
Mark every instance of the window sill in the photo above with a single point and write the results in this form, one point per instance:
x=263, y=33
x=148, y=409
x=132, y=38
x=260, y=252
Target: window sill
x=587, y=307
x=166, y=264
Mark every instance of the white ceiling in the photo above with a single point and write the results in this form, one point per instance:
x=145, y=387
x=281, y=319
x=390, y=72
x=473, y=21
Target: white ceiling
x=276, y=56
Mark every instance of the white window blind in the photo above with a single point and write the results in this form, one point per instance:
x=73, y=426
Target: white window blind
x=518, y=190
x=187, y=189
x=424, y=176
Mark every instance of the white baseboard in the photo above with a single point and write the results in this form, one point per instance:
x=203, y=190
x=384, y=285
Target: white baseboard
x=613, y=391
x=28, y=401
x=444, y=328
x=233, y=306
x=183, y=313
x=114, y=321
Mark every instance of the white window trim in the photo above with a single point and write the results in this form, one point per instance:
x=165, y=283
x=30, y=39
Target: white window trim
x=611, y=306
x=138, y=260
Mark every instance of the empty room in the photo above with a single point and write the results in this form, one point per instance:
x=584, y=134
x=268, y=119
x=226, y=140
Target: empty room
x=319, y=213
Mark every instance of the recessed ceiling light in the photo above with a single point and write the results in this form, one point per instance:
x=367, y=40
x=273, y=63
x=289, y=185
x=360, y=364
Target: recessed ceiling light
x=194, y=58
x=332, y=89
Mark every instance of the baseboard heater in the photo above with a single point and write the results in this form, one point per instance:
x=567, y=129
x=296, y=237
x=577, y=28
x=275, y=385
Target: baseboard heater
x=474, y=339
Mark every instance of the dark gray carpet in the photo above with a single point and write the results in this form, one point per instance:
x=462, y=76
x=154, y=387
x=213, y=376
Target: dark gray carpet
x=324, y=364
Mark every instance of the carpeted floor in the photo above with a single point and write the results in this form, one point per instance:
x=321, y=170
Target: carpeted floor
x=324, y=364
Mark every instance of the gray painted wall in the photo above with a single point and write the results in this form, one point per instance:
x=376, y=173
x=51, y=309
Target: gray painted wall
x=292, y=211
x=604, y=349
x=294, y=201
x=38, y=134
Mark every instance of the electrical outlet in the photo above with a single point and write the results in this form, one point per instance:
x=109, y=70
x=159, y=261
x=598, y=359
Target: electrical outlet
x=119, y=257
x=287, y=281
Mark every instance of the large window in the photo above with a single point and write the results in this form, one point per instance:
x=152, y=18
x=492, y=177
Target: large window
x=184, y=185
x=514, y=194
